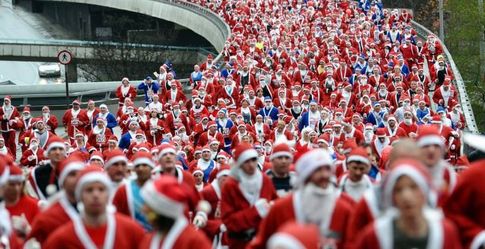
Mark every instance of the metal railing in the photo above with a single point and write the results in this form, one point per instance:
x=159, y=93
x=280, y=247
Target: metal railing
x=458, y=81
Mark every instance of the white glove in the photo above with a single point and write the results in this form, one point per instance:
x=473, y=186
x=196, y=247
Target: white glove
x=262, y=206
x=20, y=224
x=200, y=220
x=222, y=228
x=453, y=147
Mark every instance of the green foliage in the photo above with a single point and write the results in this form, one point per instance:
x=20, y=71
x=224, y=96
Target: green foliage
x=463, y=28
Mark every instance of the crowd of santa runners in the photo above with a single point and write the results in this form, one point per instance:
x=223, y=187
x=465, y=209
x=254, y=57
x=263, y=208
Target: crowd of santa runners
x=324, y=124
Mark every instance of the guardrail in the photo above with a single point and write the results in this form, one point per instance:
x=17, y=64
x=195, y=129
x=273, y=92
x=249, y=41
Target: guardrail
x=79, y=43
x=458, y=81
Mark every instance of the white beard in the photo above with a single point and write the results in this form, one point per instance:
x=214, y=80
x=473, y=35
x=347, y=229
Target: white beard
x=250, y=185
x=317, y=203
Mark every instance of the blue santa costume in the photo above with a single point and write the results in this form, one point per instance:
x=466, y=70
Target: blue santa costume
x=269, y=112
x=224, y=126
x=307, y=120
x=126, y=138
x=153, y=87
x=376, y=119
x=109, y=117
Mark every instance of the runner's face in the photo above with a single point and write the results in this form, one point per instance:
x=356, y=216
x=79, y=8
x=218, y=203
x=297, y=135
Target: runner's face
x=117, y=171
x=95, y=197
x=357, y=170
x=57, y=154
x=408, y=197
x=143, y=172
x=69, y=184
x=249, y=167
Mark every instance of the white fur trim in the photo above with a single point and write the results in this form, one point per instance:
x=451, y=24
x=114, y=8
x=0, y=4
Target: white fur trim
x=4, y=176
x=160, y=203
x=115, y=159
x=144, y=160
x=225, y=172
x=97, y=157
x=16, y=178
x=358, y=159
x=68, y=169
x=478, y=240
x=475, y=141
x=246, y=155
x=165, y=151
x=281, y=153
x=284, y=241
x=89, y=178
x=430, y=140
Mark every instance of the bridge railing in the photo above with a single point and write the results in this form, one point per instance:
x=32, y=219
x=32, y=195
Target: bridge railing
x=458, y=81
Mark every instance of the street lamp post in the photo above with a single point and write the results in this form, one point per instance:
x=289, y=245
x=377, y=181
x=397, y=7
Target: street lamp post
x=442, y=28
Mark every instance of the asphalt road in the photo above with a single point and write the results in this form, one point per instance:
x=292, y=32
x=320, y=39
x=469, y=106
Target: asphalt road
x=13, y=26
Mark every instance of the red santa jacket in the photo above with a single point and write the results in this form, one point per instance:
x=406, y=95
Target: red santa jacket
x=181, y=236
x=168, y=98
x=205, y=137
x=30, y=158
x=237, y=213
x=285, y=210
x=100, y=141
x=212, y=194
x=126, y=234
x=12, y=121
x=75, y=122
x=379, y=235
x=123, y=93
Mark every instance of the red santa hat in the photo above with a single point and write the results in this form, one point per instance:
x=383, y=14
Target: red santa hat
x=412, y=169
x=16, y=174
x=295, y=236
x=244, y=152
x=324, y=138
x=68, y=165
x=311, y=161
x=475, y=141
x=113, y=138
x=381, y=132
x=166, y=148
x=91, y=174
x=281, y=149
x=26, y=109
x=76, y=102
x=211, y=123
x=165, y=196
x=348, y=146
x=8, y=97
x=143, y=157
x=52, y=143
x=358, y=154
x=224, y=155
x=113, y=157
x=391, y=117
x=429, y=135
x=206, y=149
x=97, y=155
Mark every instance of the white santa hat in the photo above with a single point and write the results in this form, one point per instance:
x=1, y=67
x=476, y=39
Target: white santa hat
x=311, y=161
x=91, y=174
x=52, y=143
x=429, y=135
x=4, y=169
x=165, y=196
x=412, y=169
x=281, y=149
x=295, y=236
x=16, y=174
x=244, y=152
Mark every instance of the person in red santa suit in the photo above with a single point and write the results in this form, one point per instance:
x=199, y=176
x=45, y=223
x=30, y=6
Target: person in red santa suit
x=39, y=131
x=9, y=123
x=174, y=94
x=211, y=193
x=125, y=90
x=167, y=165
x=280, y=160
x=295, y=235
x=98, y=225
x=350, y=132
x=4, y=150
x=408, y=124
x=49, y=119
x=432, y=152
x=457, y=118
x=92, y=112
x=127, y=199
x=355, y=182
x=43, y=179
x=75, y=119
x=316, y=200
x=61, y=208
x=247, y=194
x=241, y=132
x=21, y=207
x=466, y=201
x=33, y=155
x=409, y=220
x=380, y=141
x=445, y=95
x=26, y=120
x=393, y=131
x=80, y=143
x=166, y=201
x=99, y=135
x=211, y=133
x=282, y=135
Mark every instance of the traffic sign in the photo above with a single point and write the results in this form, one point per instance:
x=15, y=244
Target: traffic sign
x=64, y=57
